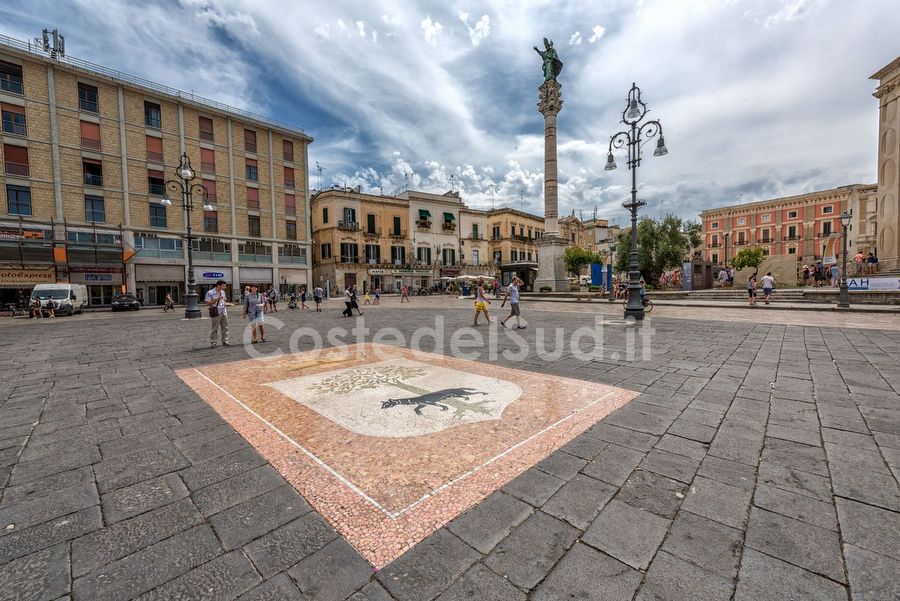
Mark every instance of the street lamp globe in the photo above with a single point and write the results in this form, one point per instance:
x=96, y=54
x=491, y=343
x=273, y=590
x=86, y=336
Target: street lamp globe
x=184, y=170
x=633, y=111
x=207, y=207
x=845, y=219
x=661, y=149
x=166, y=201
x=610, y=162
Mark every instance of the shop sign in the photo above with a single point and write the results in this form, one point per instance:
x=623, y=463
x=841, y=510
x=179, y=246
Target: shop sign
x=98, y=277
x=378, y=272
x=27, y=276
x=16, y=233
x=874, y=284
x=213, y=275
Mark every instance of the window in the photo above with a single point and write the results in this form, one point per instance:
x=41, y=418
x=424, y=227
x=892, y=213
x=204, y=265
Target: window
x=349, y=253
x=715, y=258
x=252, y=198
x=448, y=256
x=207, y=161
x=792, y=251
x=827, y=210
x=290, y=230
x=18, y=200
x=250, y=141
x=765, y=236
x=14, y=120
x=93, y=209
x=475, y=257
x=826, y=229
x=324, y=214
x=514, y=256
x=287, y=150
x=93, y=173
x=251, y=171
x=290, y=204
x=288, y=177
x=715, y=240
x=398, y=255
x=495, y=232
x=373, y=253
x=714, y=225
x=792, y=232
x=11, y=78
x=498, y=256
x=349, y=217
x=210, y=185
x=423, y=255
x=88, y=98
x=292, y=253
x=742, y=221
x=475, y=231
x=253, y=225
x=152, y=115
x=210, y=221
x=90, y=135
x=157, y=215
x=15, y=160
x=529, y=256
x=156, y=183
x=370, y=223
x=397, y=230
x=792, y=214
x=766, y=218
x=154, y=149
x=325, y=251
x=206, y=129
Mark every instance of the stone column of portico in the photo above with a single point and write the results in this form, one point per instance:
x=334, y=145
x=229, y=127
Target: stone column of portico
x=551, y=268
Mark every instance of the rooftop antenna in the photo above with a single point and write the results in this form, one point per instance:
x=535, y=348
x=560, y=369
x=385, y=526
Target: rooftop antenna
x=452, y=182
x=595, y=212
x=320, y=169
x=406, y=177
x=740, y=199
x=522, y=200
x=580, y=215
x=52, y=42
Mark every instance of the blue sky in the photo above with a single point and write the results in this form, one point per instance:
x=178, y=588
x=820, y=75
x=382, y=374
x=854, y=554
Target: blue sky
x=758, y=98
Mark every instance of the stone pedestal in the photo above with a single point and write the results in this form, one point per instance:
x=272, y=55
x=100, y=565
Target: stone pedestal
x=551, y=267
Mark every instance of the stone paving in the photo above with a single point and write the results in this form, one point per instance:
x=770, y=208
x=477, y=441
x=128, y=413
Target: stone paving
x=760, y=461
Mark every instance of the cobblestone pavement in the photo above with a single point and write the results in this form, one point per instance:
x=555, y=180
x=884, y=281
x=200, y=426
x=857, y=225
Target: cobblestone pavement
x=760, y=461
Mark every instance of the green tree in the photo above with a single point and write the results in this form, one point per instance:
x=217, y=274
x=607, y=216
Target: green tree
x=751, y=256
x=662, y=244
x=575, y=257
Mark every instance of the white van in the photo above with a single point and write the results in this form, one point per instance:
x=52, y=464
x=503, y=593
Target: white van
x=69, y=298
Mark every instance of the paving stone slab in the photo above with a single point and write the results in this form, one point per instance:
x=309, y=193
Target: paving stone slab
x=869, y=527
x=482, y=584
x=198, y=476
x=332, y=573
x=764, y=578
x=100, y=548
x=225, y=577
x=793, y=505
x=489, y=522
x=277, y=588
x=730, y=472
x=138, y=466
x=673, y=579
x=862, y=475
x=585, y=573
x=718, y=501
x=627, y=533
x=706, y=543
x=873, y=577
x=579, y=501
x=658, y=494
x=49, y=485
x=586, y=447
x=133, y=500
x=534, y=487
x=796, y=481
x=672, y=465
x=41, y=576
x=18, y=517
x=230, y=492
x=49, y=533
x=147, y=569
x=287, y=545
x=238, y=525
x=26, y=471
x=793, y=455
x=614, y=464
x=531, y=550
x=562, y=465
x=624, y=437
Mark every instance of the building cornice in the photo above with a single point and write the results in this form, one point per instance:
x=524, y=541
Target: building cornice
x=789, y=201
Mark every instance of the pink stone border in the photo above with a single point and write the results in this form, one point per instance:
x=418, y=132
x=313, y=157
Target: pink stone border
x=378, y=536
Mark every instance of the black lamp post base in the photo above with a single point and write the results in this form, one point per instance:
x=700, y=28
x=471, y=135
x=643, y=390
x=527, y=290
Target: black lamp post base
x=192, y=313
x=192, y=310
x=637, y=314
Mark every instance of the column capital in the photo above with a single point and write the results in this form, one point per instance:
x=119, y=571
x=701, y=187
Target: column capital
x=550, y=100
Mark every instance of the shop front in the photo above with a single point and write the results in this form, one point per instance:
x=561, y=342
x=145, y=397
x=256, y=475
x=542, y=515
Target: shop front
x=103, y=282
x=206, y=278
x=260, y=276
x=154, y=282
x=393, y=279
x=526, y=271
x=16, y=283
x=292, y=280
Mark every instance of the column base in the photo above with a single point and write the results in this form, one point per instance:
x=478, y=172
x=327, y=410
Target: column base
x=551, y=267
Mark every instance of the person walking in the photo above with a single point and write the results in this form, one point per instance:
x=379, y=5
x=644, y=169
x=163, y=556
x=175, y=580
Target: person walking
x=404, y=293
x=303, y=304
x=835, y=275
x=367, y=298
x=169, y=303
x=512, y=294
x=859, y=260
x=215, y=300
x=273, y=299
x=377, y=296
x=751, y=290
x=36, y=310
x=348, y=301
x=354, y=300
x=254, y=305
x=768, y=284
x=873, y=264
x=318, y=293
x=496, y=286
x=481, y=303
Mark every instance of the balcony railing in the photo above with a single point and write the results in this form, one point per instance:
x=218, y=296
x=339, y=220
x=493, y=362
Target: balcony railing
x=12, y=84
x=292, y=259
x=716, y=245
x=766, y=240
x=92, y=179
x=352, y=226
x=372, y=232
x=474, y=236
x=254, y=258
x=207, y=255
x=397, y=234
x=88, y=105
x=741, y=243
x=423, y=224
x=448, y=226
x=791, y=238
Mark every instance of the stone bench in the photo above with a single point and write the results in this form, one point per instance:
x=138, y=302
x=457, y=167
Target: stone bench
x=587, y=296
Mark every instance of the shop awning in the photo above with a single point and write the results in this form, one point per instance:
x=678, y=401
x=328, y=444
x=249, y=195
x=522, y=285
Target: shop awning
x=449, y=217
x=424, y=214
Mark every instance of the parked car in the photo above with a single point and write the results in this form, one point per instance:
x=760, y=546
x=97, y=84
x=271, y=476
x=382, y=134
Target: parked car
x=69, y=298
x=126, y=302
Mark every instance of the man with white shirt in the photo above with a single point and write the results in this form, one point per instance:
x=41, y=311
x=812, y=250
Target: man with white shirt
x=215, y=300
x=512, y=294
x=768, y=284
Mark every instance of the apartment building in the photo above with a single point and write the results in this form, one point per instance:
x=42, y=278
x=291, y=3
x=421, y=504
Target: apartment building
x=87, y=153
x=806, y=226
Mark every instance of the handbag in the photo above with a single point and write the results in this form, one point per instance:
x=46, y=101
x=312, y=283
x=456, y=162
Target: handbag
x=213, y=311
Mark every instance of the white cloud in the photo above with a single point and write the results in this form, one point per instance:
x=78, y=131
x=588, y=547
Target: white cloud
x=480, y=31
x=597, y=32
x=361, y=28
x=793, y=10
x=431, y=29
x=575, y=40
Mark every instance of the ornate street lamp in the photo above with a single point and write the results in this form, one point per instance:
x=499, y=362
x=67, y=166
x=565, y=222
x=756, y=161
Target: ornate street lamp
x=844, y=295
x=635, y=110
x=186, y=174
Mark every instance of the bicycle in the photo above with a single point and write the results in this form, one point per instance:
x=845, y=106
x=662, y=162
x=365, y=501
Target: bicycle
x=645, y=302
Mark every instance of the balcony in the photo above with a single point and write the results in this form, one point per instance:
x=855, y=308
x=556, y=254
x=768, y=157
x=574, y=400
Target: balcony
x=474, y=236
x=92, y=179
x=12, y=84
x=791, y=238
x=741, y=243
x=716, y=245
x=448, y=226
x=397, y=234
x=244, y=257
x=766, y=240
x=423, y=224
x=372, y=233
x=350, y=226
x=520, y=238
x=87, y=105
x=205, y=255
x=292, y=259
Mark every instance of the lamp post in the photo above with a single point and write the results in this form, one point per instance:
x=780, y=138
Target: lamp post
x=634, y=112
x=612, y=263
x=844, y=295
x=725, y=260
x=186, y=174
